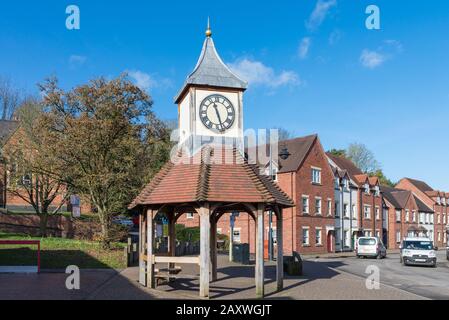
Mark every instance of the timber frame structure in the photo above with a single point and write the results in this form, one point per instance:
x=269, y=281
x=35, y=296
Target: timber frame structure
x=209, y=188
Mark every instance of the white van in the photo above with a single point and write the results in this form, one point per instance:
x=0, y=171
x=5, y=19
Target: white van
x=418, y=251
x=370, y=247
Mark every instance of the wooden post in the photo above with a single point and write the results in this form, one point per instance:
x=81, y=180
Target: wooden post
x=213, y=247
x=150, y=250
x=280, y=253
x=231, y=238
x=204, y=251
x=260, y=277
x=142, y=247
x=171, y=238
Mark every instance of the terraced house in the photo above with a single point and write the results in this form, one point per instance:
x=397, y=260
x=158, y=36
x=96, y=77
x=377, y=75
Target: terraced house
x=365, y=203
x=438, y=201
x=403, y=211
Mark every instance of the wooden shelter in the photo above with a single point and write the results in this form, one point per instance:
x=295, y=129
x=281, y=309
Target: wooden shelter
x=211, y=182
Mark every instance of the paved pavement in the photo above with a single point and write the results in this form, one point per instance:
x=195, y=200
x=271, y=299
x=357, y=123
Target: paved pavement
x=431, y=283
x=322, y=280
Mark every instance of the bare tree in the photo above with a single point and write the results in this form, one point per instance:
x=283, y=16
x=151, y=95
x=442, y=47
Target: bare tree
x=9, y=98
x=363, y=158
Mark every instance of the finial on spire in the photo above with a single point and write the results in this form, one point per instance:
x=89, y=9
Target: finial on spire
x=208, y=31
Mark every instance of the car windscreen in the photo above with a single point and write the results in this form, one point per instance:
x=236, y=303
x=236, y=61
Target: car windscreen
x=367, y=242
x=418, y=245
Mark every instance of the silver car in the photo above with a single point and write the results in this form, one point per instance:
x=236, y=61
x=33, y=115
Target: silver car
x=370, y=247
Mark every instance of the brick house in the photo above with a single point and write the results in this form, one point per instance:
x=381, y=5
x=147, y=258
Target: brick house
x=438, y=201
x=307, y=178
x=10, y=133
x=402, y=210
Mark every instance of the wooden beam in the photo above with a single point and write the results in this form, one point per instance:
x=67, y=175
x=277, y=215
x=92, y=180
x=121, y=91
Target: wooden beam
x=204, y=250
x=260, y=231
x=280, y=249
x=151, y=283
x=178, y=260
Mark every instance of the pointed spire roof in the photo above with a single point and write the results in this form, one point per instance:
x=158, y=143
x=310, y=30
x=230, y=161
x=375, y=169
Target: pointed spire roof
x=211, y=70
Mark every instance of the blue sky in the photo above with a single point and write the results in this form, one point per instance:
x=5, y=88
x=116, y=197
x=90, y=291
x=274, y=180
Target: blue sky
x=313, y=66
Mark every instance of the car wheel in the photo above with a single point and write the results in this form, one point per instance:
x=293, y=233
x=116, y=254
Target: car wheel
x=379, y=256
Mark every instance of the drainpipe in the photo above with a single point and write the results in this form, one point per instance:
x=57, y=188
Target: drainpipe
x=342, y=220
x=350, y=218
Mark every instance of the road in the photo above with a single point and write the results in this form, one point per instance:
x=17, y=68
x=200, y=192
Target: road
x=431, y=283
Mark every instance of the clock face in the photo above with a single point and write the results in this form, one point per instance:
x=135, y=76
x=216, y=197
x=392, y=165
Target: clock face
x=217, y=113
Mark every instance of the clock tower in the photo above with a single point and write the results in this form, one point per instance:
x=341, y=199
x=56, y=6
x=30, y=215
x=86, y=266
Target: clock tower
x=210, y=103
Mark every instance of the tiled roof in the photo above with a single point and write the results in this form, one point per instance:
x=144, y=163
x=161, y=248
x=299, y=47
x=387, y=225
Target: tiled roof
x=213, y=175
x=421, y=185
x=345, y=164
x=422, y=206
x=212, y=71
x=298, y=149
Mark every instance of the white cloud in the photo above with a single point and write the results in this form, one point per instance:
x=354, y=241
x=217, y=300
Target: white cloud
x=256, y=73
x=304, y=47
x=77, y=60
x=143, y=80
x=320, y=12
x=335, y=37
x=372, y=59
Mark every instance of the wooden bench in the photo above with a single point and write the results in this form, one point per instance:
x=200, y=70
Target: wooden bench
x=173, y=272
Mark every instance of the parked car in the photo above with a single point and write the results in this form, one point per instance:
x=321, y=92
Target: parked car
x=418, y=251
x=447, y=253
x=123, y=221
x=370, y=247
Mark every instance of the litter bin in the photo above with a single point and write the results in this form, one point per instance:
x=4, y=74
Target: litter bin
x=241, y=253
x=293, y=265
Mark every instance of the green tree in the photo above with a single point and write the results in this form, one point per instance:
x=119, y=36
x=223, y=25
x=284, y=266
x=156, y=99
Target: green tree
x=338, y=152
x=382, y=178
x=105, y=135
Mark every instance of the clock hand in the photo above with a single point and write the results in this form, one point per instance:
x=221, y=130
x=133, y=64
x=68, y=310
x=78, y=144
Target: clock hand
x=218, y=114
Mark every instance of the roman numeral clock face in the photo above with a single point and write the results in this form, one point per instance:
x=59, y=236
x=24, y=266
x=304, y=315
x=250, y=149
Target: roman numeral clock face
x=217, y=113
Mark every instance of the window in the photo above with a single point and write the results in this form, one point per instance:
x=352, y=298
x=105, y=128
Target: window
x=305, y=236
x=431, y=217
x=438, y=218
x=329, y=207
x=439, y=236
x=318, y=239
x=316, y=175
x=346, y=184
x=347, y=240
x=414, y=216
x=444, y=219
x=377, y=213
x=367, y=188
x=305, y=204
x=407, y=215
x=378, y=234
x=337, y=184
x=377, y=191
x=367, y=233
x=398, y=215
x=190, y=215
x=367, y=212
x=318, y=206
x=346, y=210
x=421, y=217
x=337, y=209
x=398, y=236
x=353, y=211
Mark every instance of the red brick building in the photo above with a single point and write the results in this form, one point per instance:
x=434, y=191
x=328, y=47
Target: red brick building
x=438, y=201
x=403, y=209
x=307, y=178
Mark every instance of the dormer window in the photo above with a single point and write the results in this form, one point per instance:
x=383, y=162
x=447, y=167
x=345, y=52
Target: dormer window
x=337, y=183
x=377, y=191
x=367, y=191
x=438, y=200
x=346, y=184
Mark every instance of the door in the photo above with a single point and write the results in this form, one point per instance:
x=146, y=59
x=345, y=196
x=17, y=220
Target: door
x=330, y=242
